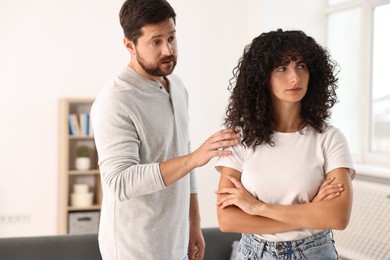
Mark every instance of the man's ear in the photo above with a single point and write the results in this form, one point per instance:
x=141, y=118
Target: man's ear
x=130, y=46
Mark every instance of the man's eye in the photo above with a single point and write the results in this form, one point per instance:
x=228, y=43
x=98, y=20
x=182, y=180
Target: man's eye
x=156, y=43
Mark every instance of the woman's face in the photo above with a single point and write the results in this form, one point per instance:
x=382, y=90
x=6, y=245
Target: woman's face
x=289, y=82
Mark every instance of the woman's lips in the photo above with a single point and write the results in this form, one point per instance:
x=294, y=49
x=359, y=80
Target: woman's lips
x=294, y=89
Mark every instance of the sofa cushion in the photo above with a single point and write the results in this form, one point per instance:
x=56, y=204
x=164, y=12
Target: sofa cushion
x=219, y=244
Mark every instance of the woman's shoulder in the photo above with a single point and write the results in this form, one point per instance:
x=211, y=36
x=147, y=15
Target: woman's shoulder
x=330, y=135
x=332, y=130
x=326, y=131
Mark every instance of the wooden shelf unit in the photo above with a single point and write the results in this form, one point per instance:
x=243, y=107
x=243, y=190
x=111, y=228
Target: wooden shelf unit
x=68, y=175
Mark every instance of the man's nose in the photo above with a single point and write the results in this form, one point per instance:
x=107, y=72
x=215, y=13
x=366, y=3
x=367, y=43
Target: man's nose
x=168, y=49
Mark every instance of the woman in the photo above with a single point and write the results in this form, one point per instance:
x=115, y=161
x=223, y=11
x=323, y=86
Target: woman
x=270, y=187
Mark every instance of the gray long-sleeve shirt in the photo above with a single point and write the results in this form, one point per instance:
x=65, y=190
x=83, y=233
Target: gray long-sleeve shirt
x=137, y=124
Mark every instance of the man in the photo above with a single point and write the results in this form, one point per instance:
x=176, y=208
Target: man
x=140, y=120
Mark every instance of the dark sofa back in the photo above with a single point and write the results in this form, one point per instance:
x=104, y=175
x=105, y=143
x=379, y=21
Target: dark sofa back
x=67, y=247
x=85, y=247
x=218, y=244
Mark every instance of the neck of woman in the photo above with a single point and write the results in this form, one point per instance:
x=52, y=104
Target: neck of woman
x=288, y=119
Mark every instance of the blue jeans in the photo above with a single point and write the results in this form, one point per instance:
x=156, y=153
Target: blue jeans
x=319, y=246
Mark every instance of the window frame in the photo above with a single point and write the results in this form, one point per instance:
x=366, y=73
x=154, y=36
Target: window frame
x=367, y=162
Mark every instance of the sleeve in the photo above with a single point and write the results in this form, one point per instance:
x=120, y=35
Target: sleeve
x=234, y=161
x=193, y=184
x=118, y=147
x=336, y=152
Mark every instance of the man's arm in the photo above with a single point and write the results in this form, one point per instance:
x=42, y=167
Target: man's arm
x=176, y=168
x=196, y=245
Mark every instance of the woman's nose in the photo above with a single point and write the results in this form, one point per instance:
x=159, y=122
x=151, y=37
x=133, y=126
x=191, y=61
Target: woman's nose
x=294, y=76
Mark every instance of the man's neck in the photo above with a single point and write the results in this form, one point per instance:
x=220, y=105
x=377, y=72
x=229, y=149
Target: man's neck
x=140, y=71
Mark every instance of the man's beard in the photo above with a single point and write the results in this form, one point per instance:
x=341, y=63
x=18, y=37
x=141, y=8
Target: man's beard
x=154, y=69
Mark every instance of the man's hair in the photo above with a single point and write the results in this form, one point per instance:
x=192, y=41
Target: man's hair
x=135, y=14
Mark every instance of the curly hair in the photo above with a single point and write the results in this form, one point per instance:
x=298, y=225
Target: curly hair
x=250, y=105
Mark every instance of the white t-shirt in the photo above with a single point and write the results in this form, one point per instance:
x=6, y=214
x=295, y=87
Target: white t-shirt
x=292, y=171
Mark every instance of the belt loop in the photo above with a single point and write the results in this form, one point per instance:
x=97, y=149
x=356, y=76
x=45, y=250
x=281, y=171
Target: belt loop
x=331, y=234
x=294, y=245
x=261, y=248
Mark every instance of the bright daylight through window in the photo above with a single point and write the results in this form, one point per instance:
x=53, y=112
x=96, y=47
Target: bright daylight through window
x=361, y=51
x=380, y=115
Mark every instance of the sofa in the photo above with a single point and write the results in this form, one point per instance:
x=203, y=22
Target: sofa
x=85, y=247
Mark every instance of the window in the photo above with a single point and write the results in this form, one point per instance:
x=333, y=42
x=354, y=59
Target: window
x=344, y=45
x=358, y=41
x=380, y=98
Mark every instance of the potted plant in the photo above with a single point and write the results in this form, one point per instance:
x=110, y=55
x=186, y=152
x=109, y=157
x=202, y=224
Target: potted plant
x=83, y=160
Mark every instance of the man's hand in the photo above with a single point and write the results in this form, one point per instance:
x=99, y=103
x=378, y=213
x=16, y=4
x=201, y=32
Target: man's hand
x=214, y=145
x=196, y=246
x=176, y=168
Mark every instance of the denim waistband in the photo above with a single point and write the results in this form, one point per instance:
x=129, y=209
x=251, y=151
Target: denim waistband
x=287, y=247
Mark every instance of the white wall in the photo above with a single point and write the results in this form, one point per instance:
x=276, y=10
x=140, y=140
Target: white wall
x=63, y=48
x=211, y=47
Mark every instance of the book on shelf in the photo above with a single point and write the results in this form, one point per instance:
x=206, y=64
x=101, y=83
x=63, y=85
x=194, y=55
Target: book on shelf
x=90, y=129
x=84, y=124
x=74, y=125
x=80, y=124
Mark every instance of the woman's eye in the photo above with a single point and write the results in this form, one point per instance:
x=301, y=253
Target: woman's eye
x=301, y=66
x=280, y=69
x=172, y=39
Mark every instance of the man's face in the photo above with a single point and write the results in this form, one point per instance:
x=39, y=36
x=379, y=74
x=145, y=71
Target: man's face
x=156, y=49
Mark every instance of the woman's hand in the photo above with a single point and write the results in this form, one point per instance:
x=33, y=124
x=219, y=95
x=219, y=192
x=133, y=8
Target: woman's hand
x=328, y=190
x=239, y=197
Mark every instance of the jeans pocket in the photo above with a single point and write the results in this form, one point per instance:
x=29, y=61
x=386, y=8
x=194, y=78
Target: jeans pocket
x=245, y=251
x=325, y=251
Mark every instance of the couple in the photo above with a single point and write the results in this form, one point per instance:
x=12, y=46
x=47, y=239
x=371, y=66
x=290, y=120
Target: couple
x=285, y=174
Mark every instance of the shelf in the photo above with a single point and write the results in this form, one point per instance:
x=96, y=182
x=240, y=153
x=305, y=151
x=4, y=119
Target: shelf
x=93, y=207
x=84, y=172
x=80, y=137
x=79, y=108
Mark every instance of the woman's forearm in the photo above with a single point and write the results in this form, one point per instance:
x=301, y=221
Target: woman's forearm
x=329, y=214
x=233, y=219
x=239, y=211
